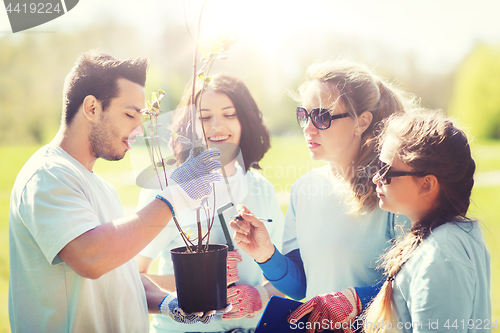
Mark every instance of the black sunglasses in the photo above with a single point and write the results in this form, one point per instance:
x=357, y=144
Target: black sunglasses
x=385, y=174
x=320, y=117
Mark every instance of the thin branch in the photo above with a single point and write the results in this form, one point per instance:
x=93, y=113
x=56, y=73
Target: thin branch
x=153, y=149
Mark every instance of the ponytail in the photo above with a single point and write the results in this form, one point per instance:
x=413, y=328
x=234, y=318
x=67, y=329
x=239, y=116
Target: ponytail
x=381, y=309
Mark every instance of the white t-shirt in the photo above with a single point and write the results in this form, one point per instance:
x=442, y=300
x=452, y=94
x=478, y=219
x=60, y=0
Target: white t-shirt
x=250, y=189
x=445, y=285
x=54, y=200
x=338, y=249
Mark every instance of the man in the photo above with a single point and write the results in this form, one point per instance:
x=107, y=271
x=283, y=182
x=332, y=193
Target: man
x=72, y=265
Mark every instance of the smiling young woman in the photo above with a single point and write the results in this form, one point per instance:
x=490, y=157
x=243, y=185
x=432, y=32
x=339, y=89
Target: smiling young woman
x=233, y=123
x=221, y=125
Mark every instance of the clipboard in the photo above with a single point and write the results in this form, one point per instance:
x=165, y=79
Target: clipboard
x=274, y=318
x=225, y=212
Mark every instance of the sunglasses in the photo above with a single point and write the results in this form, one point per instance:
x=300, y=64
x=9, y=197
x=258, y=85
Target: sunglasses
x=320, y=117
x=385, y=174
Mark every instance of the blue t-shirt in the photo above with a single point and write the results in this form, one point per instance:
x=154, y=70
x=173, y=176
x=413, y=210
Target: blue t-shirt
x=445, y=285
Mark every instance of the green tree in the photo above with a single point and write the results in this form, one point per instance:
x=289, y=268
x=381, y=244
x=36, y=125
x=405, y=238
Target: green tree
x=476, y=95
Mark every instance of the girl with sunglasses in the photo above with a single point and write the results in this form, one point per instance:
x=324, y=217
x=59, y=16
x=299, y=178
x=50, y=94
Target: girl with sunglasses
x=334, y=230
x=438, y=275
x=233, y=123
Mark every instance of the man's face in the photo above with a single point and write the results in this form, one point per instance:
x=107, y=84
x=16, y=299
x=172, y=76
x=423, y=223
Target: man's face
x=120, y=123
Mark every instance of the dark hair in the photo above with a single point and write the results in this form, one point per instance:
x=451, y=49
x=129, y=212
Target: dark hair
x=96, y=74
x=431, y=144
x=360, y=90
x=254, y=141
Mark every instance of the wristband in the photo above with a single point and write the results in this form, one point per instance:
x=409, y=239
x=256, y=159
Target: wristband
x=161, y=303
x=168, y=203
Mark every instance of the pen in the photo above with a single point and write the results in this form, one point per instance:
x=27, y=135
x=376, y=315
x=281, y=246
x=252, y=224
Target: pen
x=240, y=218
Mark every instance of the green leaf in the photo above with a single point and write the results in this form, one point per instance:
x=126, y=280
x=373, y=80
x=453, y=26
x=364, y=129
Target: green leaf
x=216, y=48
x=162, y=93
x=204, y=52
x=226, y=40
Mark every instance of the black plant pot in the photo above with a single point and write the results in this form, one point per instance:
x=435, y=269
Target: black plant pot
x=201, y=278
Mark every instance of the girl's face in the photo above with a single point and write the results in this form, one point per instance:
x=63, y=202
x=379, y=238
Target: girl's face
x=218, y=114
x=339, y=144
x=401, y=196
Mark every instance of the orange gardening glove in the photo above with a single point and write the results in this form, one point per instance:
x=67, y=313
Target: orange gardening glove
x=246, y=301
x=233, y=258
x=339, y=307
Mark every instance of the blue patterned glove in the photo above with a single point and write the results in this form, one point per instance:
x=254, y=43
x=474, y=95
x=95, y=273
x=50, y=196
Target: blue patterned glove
x=191, y=182
x=170, y=308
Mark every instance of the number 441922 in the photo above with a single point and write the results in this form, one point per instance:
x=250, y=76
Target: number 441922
x=477, y=324
x=38, y=8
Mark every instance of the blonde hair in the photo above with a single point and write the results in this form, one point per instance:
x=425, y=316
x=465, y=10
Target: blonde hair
x=359, y=90
x=428, y=143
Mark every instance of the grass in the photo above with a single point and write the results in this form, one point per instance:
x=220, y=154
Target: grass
x=285, y=162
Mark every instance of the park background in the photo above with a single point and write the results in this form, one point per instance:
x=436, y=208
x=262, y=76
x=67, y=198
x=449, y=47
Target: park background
x=445, y=52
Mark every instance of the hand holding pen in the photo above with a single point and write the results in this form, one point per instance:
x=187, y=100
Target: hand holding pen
x=251, y=235
x=239, y=218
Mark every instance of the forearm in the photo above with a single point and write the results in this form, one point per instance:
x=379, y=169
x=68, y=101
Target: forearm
x=271, y=290
x=163, y=281
x=154, y=294
x=286, y=273
x=111, y=245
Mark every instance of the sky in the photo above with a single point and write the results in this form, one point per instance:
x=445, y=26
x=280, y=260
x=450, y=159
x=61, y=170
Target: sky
x=440, y=32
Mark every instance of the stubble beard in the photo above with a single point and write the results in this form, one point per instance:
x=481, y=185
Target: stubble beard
x=101, y=140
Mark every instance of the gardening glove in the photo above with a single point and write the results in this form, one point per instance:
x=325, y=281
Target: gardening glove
x=246, y=301
x=233, y=258
x=170, y=308
x=191, y=182
x=339, y=307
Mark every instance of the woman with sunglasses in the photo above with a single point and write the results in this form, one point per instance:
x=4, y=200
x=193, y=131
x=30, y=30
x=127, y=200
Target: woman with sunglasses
x=233, y=123
x=334, y=230
x=438, y=275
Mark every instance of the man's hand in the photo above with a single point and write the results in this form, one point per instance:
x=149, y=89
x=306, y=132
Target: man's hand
x=191, y=182
x=170, y=308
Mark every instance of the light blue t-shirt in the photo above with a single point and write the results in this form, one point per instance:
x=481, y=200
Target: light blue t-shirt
x=54, y=200
x=250, y=189
x=445, y=285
